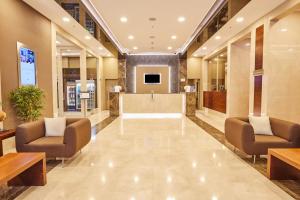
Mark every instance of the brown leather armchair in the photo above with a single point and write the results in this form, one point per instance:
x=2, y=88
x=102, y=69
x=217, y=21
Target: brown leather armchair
x=240, y=134
x=30, y=137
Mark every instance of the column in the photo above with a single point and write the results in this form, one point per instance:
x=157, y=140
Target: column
x=54, y=70
x=60, y=84
x=83, y=81
x=204, y=80
x=99, y=79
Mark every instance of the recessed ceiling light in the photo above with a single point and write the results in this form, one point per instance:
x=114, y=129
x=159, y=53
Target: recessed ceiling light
x=68, y=50
x=135, y=48
x=240, y=19
x=57, y=42
x=283, y=30
x=174, y=37
x=169, y=48
x=204, y=48
x=181, y=19
x=218, y=37
x=195, y=55
x=109, y=55
x=87, y=37
x=130, y=37
x=100, y=48
x=247, y=44
x=66, y=19
x=123, y=19
x=222, y=55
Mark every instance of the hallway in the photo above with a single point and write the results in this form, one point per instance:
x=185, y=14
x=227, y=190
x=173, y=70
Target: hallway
x=158, y=159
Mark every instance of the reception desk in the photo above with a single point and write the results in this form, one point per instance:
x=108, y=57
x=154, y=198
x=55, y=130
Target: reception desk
x=215, y=100
x=152, y=103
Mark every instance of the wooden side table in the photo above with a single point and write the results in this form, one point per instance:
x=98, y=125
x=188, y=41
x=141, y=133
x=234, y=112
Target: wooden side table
x=4, y=135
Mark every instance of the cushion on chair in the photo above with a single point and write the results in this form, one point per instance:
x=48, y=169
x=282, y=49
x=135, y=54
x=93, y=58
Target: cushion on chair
x=261, y=125
x=264, y=142
x=55, y=126
x=52, y=146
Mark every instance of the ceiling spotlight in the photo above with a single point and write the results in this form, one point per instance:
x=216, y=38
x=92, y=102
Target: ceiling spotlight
x=181, y=19
x=195, y=55
x=87, y=37
x=123, y=19
x=169, y=48
x=240, y=19
x=222, y=55
x=66, y=19
x=283, y=30
x=204, y=48
x=218, y=37
x=57, y=42
x=100, y=48
x=174, y=37
x=135, y=48
x=130, y=37
x=109, y=55
x=247, y=44
x=68, y=50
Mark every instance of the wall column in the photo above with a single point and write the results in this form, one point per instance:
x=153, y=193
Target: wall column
x=99, y=79
x=60, y=84
x=54, y=70
x=83, y=81
x=204, y=80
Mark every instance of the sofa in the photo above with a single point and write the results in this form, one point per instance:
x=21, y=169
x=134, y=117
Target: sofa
x=30, y=137
x=240, y=133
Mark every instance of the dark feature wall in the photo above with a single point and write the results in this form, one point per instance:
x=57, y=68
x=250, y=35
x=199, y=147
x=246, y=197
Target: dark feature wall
x=135, y=60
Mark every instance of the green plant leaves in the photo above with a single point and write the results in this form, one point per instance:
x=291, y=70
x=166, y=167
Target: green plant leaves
x=28, y=102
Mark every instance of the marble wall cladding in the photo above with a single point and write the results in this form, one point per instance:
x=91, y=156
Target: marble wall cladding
x=190, y=109
x=135, y=60
x=122, y=73
x=114, y=108
x=182, y=74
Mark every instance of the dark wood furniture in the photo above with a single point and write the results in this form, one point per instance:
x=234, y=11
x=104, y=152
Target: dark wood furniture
x=4, y=135
x=26, y=169
x=215, y=100
x=284, y=164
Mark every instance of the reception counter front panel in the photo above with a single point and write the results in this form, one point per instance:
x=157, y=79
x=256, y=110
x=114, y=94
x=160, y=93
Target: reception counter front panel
x=153, y=103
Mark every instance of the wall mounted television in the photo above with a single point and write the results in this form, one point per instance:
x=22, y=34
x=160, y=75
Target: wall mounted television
x=152, y=79
x=27, y=65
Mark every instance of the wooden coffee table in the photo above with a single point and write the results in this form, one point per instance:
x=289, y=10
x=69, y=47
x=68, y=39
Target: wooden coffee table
x=284, y=164
x=26, y=169
x=4, y=135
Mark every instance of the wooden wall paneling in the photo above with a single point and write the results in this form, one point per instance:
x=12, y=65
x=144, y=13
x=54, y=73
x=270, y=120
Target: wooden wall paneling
x=257, y=94
x=259, y=47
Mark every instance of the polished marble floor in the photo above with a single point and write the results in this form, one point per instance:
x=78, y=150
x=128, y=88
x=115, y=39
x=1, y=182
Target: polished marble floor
x=155, y=159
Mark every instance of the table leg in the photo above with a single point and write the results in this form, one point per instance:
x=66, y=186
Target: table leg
x=279, y=170
x=1, y=148
x=33, y=176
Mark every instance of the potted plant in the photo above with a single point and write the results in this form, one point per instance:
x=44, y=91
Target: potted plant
x=28, y=102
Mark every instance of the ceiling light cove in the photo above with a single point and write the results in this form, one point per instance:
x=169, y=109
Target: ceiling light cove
x=174, y=37
x=130, y=37
x=66, y=19
x=123, y=19
x=240, y=19
x=181, y=19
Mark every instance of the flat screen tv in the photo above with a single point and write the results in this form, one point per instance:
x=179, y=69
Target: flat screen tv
x=151, y=78
x=27, y=65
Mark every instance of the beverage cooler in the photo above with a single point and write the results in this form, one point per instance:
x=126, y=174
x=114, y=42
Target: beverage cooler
x=71, y=96
x=91, y=88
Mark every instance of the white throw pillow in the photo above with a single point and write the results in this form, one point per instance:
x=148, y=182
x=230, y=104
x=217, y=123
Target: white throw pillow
x=261, y=125
x=55, y=126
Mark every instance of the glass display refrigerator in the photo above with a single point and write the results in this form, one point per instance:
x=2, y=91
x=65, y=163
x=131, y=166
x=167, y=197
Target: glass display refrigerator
x=91, y=88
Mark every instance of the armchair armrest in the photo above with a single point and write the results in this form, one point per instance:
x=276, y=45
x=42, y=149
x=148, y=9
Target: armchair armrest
x=29, y=132
x=287, y=130
x=77, y=135
x=239, y=133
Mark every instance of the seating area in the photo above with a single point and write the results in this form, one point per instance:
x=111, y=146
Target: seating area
x=240, y=133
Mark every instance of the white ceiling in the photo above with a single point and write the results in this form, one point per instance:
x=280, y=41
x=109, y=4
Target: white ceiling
x=138, y=13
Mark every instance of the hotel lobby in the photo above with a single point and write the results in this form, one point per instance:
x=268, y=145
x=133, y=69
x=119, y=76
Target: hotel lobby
x=150, y=100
